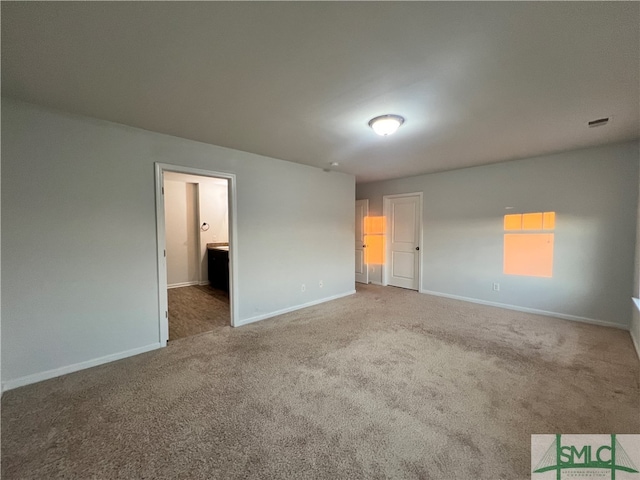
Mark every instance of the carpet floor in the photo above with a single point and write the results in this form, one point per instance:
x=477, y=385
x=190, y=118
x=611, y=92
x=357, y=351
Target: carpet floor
x=386, y=383
x=197, y=309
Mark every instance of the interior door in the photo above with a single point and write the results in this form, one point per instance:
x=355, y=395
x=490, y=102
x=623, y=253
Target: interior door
x=403, y=239
x=362, y=270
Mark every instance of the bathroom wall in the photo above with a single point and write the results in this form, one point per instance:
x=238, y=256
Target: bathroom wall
x=210, y=207
x=214, y=210
x=181, y=222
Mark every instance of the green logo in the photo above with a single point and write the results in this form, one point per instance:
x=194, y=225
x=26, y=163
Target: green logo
x=610, y=456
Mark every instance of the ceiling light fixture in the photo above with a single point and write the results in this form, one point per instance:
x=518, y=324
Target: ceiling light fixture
x=386, y=124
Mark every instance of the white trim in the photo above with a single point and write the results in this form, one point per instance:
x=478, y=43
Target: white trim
x=161, y=245
x=376, y=283
x=292, y=309
x=384, y=268
x=634, y=340
x=636, y=343
x=184, y=284
x=56, y=372
x=563, y=316
x=203, y=283
x=199, y=256
x=160, y=168
x=364, y=234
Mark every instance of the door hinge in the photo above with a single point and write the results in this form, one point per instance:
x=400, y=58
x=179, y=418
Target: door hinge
x=163, y=190
x=166, y=314
x=165, y=253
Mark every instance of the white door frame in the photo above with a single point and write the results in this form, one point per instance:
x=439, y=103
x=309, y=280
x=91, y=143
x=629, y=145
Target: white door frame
x=386, y=209
x=163, y=304
x=365, y=266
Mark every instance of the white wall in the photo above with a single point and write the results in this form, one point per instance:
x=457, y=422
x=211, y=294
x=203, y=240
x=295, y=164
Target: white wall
x=594, y=193
x=214, y=210
x=182, y=231
x=635, y=316
x=80, y=271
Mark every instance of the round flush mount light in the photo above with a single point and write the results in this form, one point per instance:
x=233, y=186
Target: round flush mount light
x=386, y=124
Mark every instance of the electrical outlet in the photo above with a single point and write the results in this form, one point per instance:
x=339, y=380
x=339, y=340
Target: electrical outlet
x=303, y=288
x=321, y=284
x=496, y=287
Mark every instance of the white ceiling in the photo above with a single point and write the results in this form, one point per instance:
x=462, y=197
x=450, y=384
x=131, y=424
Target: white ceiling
x=477, y=82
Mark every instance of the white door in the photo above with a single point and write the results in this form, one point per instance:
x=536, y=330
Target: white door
x=362, y=270
x=402, y=265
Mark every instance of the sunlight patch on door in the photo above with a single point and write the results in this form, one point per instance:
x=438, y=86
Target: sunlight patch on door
x=528, y=244
x=374, y=229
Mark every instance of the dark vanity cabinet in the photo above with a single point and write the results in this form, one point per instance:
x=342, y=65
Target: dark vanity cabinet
x=218, y=260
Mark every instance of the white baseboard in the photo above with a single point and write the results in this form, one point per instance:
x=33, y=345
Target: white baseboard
x=56, y=372
x=203, y=283
x=563, y=316
x=184, y=284
x=377, y=283
x=292, y=309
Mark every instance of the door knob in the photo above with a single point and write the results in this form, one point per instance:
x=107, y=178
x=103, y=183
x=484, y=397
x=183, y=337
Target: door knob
x=417, y=248
x=364, y=246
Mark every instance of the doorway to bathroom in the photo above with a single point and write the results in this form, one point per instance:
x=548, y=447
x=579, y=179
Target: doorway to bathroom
x=195, y=217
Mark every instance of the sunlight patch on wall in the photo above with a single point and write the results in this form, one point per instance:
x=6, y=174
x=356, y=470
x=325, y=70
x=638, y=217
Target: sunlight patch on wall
x=374, y=229
x=531, y=253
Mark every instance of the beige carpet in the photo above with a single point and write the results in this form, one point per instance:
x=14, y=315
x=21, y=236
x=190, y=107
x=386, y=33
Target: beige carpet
x=197, y=309
x=387, y=383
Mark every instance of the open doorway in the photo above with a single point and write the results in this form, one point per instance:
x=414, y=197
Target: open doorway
x=195, y=217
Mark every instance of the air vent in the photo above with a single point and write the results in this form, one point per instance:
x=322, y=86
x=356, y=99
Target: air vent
x=599, y=122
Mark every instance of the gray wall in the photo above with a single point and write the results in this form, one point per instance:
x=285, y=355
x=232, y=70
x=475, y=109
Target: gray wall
x=79, y=280
x=594, y=194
